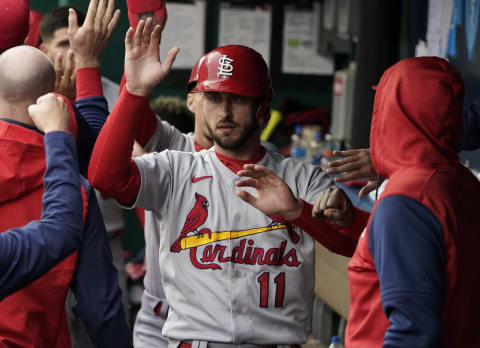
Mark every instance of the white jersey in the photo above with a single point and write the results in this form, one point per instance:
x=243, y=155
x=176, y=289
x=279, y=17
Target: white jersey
x=147, y=331
x=236, y=275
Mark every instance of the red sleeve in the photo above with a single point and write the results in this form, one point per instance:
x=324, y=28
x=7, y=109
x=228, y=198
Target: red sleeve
x=338, y=240
x=88, y=83
x=147, y=127
x=111, y=169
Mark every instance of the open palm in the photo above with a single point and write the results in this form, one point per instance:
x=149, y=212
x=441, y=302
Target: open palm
x=143, y=67
x=274, y=196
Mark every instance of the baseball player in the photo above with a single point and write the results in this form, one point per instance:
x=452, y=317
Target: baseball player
x=152, y=314
x=231, y=273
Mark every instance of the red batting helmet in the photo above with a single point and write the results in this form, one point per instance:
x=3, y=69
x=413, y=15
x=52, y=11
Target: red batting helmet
x=136, y=7
x=239, y=70
x=192, y=81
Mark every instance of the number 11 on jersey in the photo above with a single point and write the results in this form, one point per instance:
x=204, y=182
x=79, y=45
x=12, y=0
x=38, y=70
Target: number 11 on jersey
x=264, y=280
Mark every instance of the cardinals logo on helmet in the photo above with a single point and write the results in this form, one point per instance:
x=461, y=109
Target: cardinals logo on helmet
x=225, y=66
x=195, y=218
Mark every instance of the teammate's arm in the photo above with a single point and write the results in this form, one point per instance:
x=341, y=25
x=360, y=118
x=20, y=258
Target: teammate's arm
x=406, y=243
x=354, y=165
x=28, y=252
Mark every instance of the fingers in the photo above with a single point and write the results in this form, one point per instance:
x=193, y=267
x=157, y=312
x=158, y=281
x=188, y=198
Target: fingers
x=328, y=199
x=347, y=153
x=91, y=13
x=249, y=173
x=172, y=54
x=58, y=64
x=147, y=32
x=129, y=39
x=249, y=182
x=156, y=35
x=369, y=187
x=137, y=39
x=113, y=23
x=108, y=14
x=58, y=69
x=342, y=161
x=100, y=16
x=72, y=22
x=336, y=199
x=70, y=66
x=247, y=197
x=334, y=214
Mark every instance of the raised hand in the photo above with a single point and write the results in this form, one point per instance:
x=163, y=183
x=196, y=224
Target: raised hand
x=143, y=68
x=88, y=41
x=50, y=113
x=274, y=196
x=333, y=206
x=65, y=75
x=355, y=164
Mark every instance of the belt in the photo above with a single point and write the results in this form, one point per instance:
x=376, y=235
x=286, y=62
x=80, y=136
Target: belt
x=184, y=344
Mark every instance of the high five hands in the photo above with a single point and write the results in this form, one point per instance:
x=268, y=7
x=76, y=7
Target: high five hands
x=143, y=67
x=274, y=197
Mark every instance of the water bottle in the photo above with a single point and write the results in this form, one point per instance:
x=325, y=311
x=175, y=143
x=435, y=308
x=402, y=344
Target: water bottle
x=298, y=148
x=336, y=343
x=317, y=148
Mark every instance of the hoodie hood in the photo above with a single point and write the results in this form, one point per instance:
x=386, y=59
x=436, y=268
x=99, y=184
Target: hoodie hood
x=417, y=116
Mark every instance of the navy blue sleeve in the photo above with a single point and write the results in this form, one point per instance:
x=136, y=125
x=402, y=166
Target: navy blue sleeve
x=26, y=253
x=94, y=110
x=91, y=114
x=406, y=243
x=95, y=284
x=470, y=139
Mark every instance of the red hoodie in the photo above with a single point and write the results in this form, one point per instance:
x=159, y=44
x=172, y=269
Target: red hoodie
x=416, y=121
x=38, y=310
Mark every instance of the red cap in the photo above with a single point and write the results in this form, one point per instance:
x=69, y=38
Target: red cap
x=239, y=70
x=33, y=38
x=136, y=7
x=14, y=15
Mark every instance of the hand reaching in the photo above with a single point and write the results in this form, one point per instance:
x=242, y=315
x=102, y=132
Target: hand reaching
x=65, y=75
x=274, y=195
x=143, y=68
x=333, y=206
x=50, y=113
x=88, y=41
x=355, y=165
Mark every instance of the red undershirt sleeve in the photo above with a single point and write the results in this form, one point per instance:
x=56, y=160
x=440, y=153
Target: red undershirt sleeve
x=339, y=240
x=147, y=127
x=111, y=169
x=88, y=83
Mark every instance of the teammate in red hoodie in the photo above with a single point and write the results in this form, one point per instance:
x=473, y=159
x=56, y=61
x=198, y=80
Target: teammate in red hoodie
x=414, y=280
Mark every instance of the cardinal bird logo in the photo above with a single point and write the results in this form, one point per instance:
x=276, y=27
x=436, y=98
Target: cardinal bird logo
x=195, y=218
